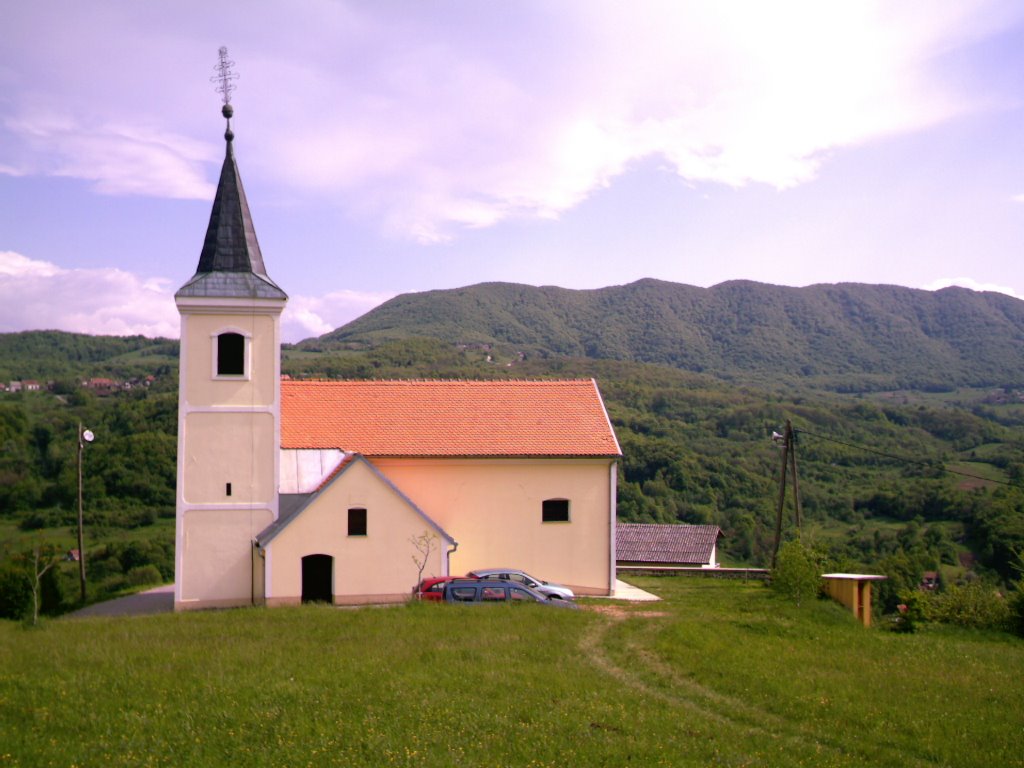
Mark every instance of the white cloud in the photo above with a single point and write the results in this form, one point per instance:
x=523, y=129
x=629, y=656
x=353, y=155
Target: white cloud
x=434, y=118
x=38, y=295
x=307, y=316
x=435, y=133
x=118, y=159
x=967, y=282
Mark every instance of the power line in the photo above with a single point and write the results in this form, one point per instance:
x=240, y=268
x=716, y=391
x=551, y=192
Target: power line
x=906, y=460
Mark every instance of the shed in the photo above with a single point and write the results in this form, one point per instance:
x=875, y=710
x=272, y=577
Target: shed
x=652, y=544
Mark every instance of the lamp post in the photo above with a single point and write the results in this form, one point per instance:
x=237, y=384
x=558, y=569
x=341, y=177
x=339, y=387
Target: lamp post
x=84, y=436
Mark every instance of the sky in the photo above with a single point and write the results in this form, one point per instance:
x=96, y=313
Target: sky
x=409, y=145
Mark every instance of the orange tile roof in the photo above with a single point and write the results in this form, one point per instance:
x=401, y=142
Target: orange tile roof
x=447, y=418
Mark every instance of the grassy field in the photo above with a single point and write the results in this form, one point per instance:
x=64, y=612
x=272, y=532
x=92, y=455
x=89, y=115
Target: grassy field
x=716, y=674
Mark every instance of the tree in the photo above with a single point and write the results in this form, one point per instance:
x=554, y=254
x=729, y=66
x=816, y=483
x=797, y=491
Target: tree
x=797, y=572
x=43, y=558
x=424, y=544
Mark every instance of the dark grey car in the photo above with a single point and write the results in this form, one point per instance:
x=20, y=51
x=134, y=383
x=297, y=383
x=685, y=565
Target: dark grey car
x=556, y=591
x=496, y=591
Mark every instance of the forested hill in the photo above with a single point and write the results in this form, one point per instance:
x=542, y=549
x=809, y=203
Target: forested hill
x=49, y=355
x=846, y=336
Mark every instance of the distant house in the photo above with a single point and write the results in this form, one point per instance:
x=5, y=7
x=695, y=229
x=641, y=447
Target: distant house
x=102, y=386
x=639, y=544
x=930, y=581
x=31, y=385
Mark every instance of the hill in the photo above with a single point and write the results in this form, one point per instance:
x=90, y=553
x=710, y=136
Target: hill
x=847, y=337
x=49, y=355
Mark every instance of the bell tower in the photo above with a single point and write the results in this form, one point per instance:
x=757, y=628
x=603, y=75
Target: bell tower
x=229, y=403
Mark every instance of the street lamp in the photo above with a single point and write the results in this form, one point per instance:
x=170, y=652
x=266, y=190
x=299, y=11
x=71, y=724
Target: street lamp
x=84, y=436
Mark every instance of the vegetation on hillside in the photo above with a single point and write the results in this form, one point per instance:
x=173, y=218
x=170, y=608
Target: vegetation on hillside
x=66, y=357
x=844, y=337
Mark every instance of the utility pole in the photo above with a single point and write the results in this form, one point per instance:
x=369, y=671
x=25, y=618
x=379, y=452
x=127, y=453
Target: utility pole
x=788, y=440
x=84, y=436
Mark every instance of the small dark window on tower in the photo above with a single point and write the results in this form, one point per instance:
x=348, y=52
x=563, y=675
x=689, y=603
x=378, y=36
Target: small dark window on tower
x=357, y=522
x=230, y=354
x=555, y=511
x=227, y=488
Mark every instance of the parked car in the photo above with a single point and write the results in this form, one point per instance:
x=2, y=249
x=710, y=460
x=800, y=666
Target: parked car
x=557, y=591
x=496, y=591
x=432, y=588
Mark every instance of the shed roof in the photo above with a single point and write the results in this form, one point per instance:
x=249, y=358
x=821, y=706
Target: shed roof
x=448, y=418
x=653, y=543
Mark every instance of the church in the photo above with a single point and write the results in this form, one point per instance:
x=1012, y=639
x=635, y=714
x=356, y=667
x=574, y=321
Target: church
x=349, y=491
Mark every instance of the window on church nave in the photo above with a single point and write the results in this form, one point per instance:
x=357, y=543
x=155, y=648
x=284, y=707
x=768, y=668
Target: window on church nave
x=357, y=521
x=230, y=354
x=555, y=511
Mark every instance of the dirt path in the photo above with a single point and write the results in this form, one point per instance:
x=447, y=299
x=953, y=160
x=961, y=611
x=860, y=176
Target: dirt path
x=652, y=677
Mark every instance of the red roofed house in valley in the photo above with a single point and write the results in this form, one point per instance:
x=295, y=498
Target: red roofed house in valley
x=318, y=490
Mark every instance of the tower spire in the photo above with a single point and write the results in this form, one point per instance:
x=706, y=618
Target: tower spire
x=230, y=264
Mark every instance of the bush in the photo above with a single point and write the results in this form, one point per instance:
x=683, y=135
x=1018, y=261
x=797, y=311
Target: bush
x=913, y=610
x=144, y=575
x=1015, y=603
x=15, y=593
x=797, y=573
x=971, y=605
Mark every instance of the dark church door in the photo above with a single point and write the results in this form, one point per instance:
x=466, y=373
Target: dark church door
x=317, y=574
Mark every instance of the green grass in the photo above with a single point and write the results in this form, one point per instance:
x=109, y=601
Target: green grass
x=719, y=673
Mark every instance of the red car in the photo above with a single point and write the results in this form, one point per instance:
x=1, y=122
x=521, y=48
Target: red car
x=433, y=588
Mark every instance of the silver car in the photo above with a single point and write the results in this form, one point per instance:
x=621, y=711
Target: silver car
x=554, y=591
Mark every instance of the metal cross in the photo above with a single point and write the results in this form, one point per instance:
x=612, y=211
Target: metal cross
x=224, y=75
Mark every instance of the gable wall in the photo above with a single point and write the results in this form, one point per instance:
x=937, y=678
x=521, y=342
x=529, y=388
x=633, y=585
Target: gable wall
x=377, y=567
x=492, y=507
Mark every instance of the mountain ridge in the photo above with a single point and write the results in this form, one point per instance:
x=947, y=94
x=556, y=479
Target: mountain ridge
x=876, y=335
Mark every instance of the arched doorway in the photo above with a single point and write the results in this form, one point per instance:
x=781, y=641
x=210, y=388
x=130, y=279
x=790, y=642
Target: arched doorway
x=317, y=579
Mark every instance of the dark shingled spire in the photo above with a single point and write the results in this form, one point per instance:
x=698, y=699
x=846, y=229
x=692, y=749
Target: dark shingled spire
x=231, y=264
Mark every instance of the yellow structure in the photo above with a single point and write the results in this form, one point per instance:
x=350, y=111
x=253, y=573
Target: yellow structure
x=311, y=490
x=854, y=591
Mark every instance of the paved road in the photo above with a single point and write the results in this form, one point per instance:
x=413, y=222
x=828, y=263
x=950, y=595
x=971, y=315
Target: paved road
x=159, y=600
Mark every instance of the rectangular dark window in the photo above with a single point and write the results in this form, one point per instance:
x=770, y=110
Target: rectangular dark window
x=555, y=511
x=230, y=354
x=357, y=522
x=227, y=488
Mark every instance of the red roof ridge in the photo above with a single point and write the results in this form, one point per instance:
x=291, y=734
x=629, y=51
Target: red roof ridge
x=584, y=380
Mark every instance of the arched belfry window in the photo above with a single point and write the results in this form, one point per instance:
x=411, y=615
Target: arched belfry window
x=230, y=354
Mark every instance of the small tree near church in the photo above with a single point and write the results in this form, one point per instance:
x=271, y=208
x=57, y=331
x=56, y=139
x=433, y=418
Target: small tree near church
x=425, y=544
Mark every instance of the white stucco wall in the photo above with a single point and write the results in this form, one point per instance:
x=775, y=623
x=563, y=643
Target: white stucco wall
x=377, y=567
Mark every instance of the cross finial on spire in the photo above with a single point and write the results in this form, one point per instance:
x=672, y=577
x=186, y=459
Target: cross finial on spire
x=223, y=79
